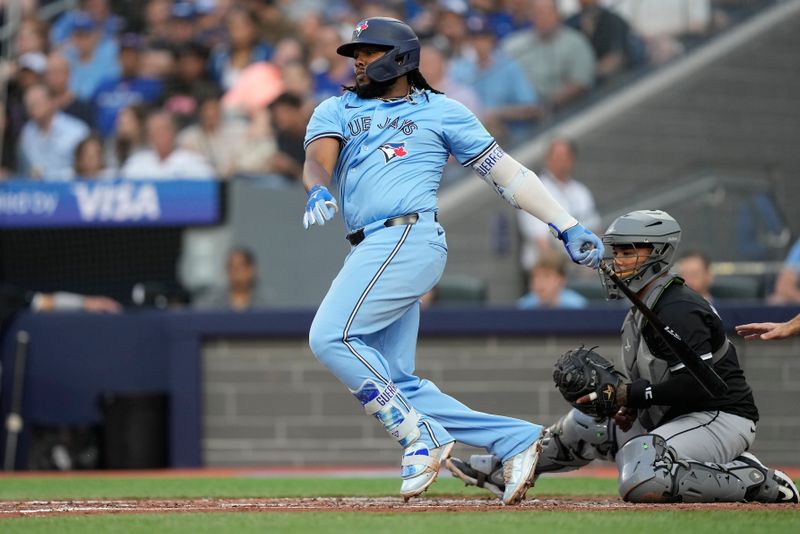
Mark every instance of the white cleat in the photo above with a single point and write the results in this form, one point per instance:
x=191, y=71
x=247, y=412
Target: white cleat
x=421, y=467
x=519, y=471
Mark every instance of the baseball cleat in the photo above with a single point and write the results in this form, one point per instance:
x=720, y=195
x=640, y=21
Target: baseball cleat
x=421, y=467
x=777, y=487
x=482, y=470
x=519, y=473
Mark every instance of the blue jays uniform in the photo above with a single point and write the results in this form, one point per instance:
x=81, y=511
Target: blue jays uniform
x=390, y=164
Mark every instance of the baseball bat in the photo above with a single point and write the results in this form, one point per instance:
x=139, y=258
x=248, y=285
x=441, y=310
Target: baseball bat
x=700, y=370
x=14, y=418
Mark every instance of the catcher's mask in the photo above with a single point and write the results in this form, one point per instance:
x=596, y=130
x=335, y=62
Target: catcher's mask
x=639, y=232
x=401, y=43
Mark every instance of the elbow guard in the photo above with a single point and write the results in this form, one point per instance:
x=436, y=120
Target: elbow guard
x=502, y=173
x=521, y=188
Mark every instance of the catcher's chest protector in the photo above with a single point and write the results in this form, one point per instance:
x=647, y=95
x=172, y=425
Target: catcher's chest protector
x=638, y=361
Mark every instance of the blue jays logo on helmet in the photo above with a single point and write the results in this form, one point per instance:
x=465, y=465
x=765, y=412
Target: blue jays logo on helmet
x=361, y=26
x=393, y=150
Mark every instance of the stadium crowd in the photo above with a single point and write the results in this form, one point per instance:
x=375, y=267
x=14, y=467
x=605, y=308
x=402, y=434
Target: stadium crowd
x=221, y=87
x=166, y=89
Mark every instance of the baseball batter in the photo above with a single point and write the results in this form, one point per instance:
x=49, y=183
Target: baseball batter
x=671, y=441
x=382, y=148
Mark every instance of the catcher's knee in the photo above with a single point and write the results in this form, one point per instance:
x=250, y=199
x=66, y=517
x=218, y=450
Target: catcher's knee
x=645, y=470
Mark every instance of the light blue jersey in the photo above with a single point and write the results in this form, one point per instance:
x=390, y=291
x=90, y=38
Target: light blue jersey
x=393, y=153
x=365, y=331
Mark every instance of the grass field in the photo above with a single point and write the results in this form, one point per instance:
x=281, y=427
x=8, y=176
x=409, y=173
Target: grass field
x=486, y=516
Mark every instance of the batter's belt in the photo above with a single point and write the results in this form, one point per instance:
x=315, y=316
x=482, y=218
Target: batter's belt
x=412, y=218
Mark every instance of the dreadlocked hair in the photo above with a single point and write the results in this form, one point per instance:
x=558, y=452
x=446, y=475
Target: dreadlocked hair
x=416, y=79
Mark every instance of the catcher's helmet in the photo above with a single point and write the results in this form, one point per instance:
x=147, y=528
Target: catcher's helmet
x=644, y=227
x=402, y=55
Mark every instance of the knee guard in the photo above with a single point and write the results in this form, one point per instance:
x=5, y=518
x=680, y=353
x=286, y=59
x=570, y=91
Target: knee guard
x=645, y=470
x=650, y=471
x=574, y=441
x=400, y=420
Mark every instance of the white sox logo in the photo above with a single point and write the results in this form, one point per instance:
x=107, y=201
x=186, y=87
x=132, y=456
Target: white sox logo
x=393, y=150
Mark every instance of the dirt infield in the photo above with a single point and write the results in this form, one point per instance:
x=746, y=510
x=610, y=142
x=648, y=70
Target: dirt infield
x=360, y=504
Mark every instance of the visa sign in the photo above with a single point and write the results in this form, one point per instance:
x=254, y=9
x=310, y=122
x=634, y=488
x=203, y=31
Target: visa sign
x=33, y=204
x=118, y=202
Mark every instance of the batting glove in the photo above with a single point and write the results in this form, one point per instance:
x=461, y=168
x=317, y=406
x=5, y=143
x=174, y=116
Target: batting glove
x=321, y=206
x=582, y=245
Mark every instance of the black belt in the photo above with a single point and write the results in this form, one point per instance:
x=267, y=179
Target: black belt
x=358, y=236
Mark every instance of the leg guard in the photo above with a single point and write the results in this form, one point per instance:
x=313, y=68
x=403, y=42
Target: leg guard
x=645, y=470
x=400, y=420
x=649, y=471
x=763, y=484
x=574, y=441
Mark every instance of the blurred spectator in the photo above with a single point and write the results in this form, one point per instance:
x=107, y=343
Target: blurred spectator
x=226, y=143
x=242, y=291
x=91, y=60
x=190, y=84
x=330, y=70
x=547, y=286
x=257, y=85
x=127, y=89
x=558, y=61
x=451, y=28
x=128, y=138
x=766, y=331
x=787, y=286
x=158, y=62
x=182, y=23
x=49, y=137
x=107, y=23
x=28, y=72
x=297, y=81
x=209, y=28
x=574, y=196
x=56, y=77
x=31, y=36
x=289, y=121
x=616, y=47
x=695, y=268
x=14, y=299
x=508, y=100
x=157, y=22
x=89, y=162
x=504, y=16
x=288, y=51
x=242, y=49
x=163, y=160
x=433, y=66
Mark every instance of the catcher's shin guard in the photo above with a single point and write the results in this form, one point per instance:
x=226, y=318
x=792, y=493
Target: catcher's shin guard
x=650, y=471
x=400, y=420
x=575, y=440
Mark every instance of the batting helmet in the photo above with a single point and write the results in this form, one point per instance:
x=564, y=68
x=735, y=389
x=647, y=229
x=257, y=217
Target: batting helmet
x=644, y=227
x=402, y=43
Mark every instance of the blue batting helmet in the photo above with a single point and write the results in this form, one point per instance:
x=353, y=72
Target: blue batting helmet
x=402, y=43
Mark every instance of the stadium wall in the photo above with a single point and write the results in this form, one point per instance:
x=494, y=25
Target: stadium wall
x=245, y=390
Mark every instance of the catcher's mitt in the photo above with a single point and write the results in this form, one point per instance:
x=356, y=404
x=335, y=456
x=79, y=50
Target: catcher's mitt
x=581, y=372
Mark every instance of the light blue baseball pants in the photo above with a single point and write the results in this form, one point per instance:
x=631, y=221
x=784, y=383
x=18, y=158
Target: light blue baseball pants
x=367, y=325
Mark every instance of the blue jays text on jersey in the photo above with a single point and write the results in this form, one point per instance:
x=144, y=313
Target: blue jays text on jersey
x=393, y=152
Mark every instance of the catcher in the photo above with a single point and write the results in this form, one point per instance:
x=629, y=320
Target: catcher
x=671, y=441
